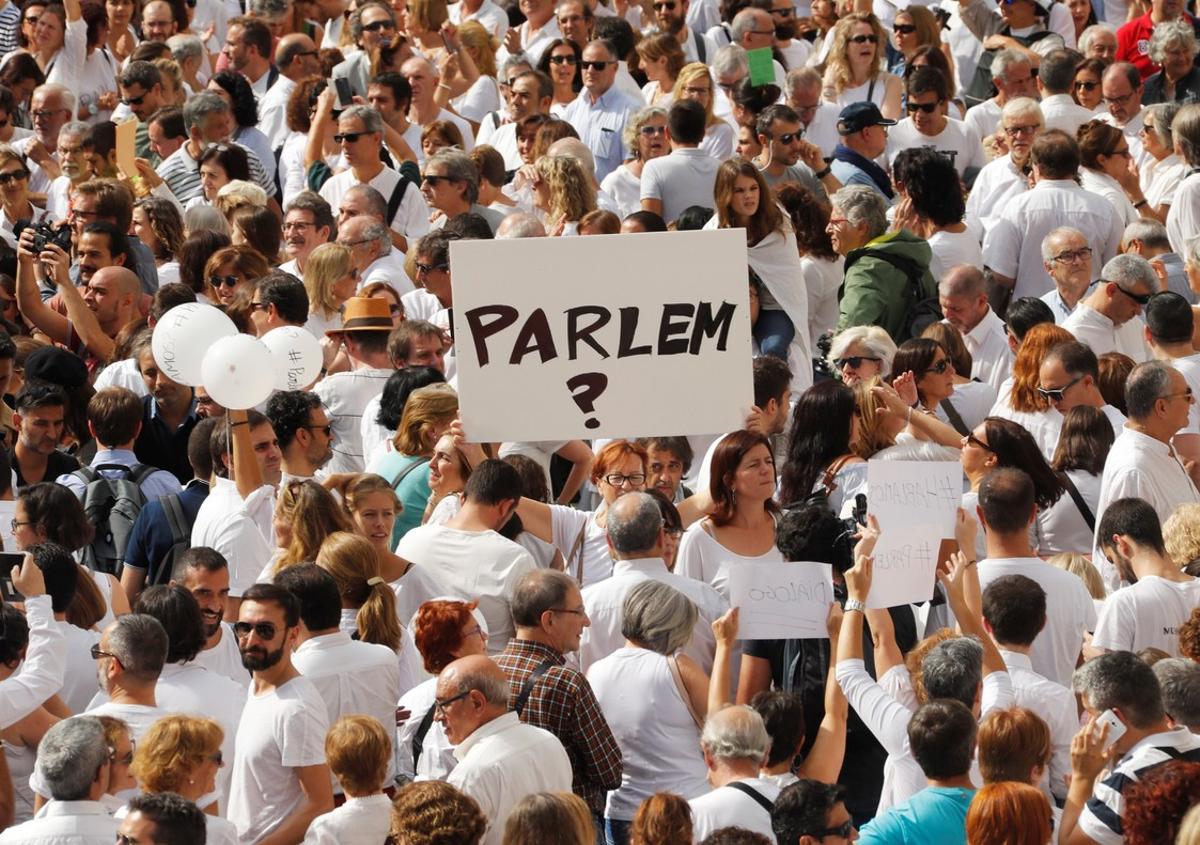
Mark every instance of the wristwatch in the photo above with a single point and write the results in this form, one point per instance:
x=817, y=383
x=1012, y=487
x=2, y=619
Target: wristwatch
x=854, y=604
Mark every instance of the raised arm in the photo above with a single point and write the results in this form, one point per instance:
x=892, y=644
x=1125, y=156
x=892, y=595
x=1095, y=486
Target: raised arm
x=81, y=318
x=926, y=426
x=46, y=656
x=960, y=579
x=29, y=299
x=247, y=474
x=581, y=456
x=725, y=633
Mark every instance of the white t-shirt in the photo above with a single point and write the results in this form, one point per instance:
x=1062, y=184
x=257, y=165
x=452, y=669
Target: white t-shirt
x=984, y=118
x=730, y=806
x=680, y=180
x=1146, y=615
x=957, y=141
x=951, y=249
x=281, y=730
x=482, y=97
x=224, y=658
x=1098, y=331
x=412, y=218
x=1061, y=526
x=625, y=189
x=360, y=821
x=702, y=557
x=139, y=717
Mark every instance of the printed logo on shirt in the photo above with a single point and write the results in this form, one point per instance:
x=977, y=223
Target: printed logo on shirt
x=1143, y=46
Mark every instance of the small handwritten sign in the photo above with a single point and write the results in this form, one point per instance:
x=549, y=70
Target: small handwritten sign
x=905, y=566
x=781, y=600
x=915, y=493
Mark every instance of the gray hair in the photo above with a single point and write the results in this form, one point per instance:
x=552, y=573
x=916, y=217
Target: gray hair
x=1129, y=271
x=65, y=93
x=802, y=77
x=368, y=115
x=539, y=590
x=200, y=218
x=520, y=225
x=954, y=669
x=459, y=167
x=376, y=204
x=495, y=689
x=185, y=46
x=145, y=74
x=1057, y=70
x=267, y=8
x=1022, y=107
x=742, y=23
x=736, y=732
x=731, y=60
x=1164, y=116
x=862, y=206
x=1060, y=232
x=1121, y=680
x=69, y=756
x=634, y=521
x=1085, y=37
x=139, y=641
x=1148, y=382
x=658, y=616
x=1151, y=233
x=1179, y=680
x=1006, y=58
x=356, y=26
x=962, y=280
x=76, y=129
x=512, y=61
x=1170, y=34
x=199, y=106
x=872, y=338
x=606, y=44
x=633, y=126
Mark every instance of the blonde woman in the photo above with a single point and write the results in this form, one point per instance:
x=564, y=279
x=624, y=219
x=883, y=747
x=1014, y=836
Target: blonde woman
x=427, y=414
x=305, y=514
x=482, y=94
x=563, y=192
x=855, y=70
x=423, y=21
x=661, y=59
x=645, y=138
x=695, y=82
x=330, y=278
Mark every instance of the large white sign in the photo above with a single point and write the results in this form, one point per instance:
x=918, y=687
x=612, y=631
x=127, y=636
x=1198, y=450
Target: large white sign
x=905, y=566
x=781, y=601
x=905, y=493
x=603, y=335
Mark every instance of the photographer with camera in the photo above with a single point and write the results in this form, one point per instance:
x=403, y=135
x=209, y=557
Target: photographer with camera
x=15, y=205
x=97, y=311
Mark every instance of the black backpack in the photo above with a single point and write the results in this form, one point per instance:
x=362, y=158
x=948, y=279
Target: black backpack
x=981, y=87
x=112, y=506
x=181, y=540
x=922, y=311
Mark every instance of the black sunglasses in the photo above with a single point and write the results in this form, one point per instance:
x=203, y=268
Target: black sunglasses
x=14, y=176
x=133, y=101
x=1056, y=395
x=97, y=653
x=588, y=64
x=788, y=137
x=1139, y=298
x=348, y=137
x=1086, y=86
x=904, y=29
x=434, y=178
x=843, y=830
x=375, y=26
x=562, y=60
x=864, y=39
x=327, y=429
x=928, y=108
x=853, y=361
x=223, y=281
x=975, y=441
x=265, y=630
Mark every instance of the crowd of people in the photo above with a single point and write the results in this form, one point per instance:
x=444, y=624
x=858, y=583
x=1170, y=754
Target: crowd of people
x=972, y=235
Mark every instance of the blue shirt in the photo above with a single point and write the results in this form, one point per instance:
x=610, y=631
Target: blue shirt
x=934, y=816
x=151, y=538
x=600, y=125
x=413, y=490
x=155, y=485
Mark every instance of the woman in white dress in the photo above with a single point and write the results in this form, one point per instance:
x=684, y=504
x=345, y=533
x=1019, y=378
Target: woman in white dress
x=1068, y=526
x=97, y=95
x=646, y=137
x=661, y=59
x=1107, y=168
x=855, y=69
x=695, y=82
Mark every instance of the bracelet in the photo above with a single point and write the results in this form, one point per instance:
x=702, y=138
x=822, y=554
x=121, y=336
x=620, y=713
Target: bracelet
x=239, y=422
x=443, y=85
x=972, y=562
x=853, y=605
x=908, y=416
x=821, y=174
x=1140, y=203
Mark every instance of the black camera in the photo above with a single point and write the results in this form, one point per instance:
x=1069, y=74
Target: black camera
x=44, y=234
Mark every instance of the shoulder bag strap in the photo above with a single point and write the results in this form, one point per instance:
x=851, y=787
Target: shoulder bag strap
x=577, y=550
x=527, y=687
x=1077, y=498
x=748, y=790
x=400, y=476
x=673, y=665
x=418, y=742
x=955, y=417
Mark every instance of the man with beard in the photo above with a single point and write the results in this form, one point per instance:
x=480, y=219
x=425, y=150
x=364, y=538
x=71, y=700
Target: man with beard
x=304, y=431
x=74, y=150
x=168, y=415
x=795, y=50
x=204, y=573
x=162, y=532
x=280, y=779
x=38, y=418
x=672, y=18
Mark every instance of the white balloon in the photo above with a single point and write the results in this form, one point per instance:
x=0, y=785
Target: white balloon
x=183, y=335
x=298, y=356
x=238, y=372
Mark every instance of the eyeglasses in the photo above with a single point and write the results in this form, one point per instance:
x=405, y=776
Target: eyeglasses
x=1086, y=86
x=576, y=611
x=1070, y=256
x=940, y=367
x=440, y=705
x=853, y=361
x=423, y=269
x=1056, y=394
x=903, y=29
x=297, y=226
x=376, y=26
x=31, y=20
x=843, y=830
x=46, y=114
x=588, y=64
x=618, y=480
x=348, y=137
x=15, y=525
x=570, y=19
x=14, y=176
x=928, y=108
x=1124, y=153
x=1016, y=131
x=434, y=178
x=1139, y=298
x=653, y=130
x=264, y=630
x=97, y=653
x=1118, y=101
x=864, y=39
x=562, y=60
x=133, y=101
x=223, y=281
x=327, y=429
x=1187, y=393
x=975, y=441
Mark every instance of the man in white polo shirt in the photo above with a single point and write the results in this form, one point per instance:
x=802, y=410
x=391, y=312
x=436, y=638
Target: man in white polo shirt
x=740, y=795
x=1109, y=318
x=672, y=183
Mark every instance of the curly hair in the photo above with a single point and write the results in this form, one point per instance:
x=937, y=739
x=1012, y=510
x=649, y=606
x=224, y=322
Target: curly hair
x=838, y=71
x=571, y=192
x=245, y=107
x=166, y=222
x=432, y=812
x=437, y=631
x=171, y=749
x=1036, y=344
x=1181, y=532
x=1156, y=804
x=302, y=101
x=1189, y=636
x=810, y=217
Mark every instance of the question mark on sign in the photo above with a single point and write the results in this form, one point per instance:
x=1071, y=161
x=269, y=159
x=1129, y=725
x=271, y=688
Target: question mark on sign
x=585, y=390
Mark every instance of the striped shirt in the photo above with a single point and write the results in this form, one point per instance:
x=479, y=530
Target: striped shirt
x=1101, y=818
x=10, y=24
x=181, y=172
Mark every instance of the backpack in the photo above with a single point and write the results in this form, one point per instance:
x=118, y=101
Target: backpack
x=111, y=506
x=922, y=311
x=181, y=540
x=981, y=87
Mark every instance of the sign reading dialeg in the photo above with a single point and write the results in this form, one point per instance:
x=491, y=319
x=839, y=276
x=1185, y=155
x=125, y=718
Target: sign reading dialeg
x=781, y=600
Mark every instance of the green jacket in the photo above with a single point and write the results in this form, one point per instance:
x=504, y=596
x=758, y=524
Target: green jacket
x=876, y=292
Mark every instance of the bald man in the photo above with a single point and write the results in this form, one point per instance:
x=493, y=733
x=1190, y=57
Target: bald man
x=501, y=760
x=295, y=57
x=423, y=78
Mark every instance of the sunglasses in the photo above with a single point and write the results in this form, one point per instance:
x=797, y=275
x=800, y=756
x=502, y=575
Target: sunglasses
x=975, y=441
x=264, y=630
x=1139, y=298
x=562, y=60
x=223, y=281
x=14, y=176
x=1086, y=86
x=653, y=130
x=853, y=361
x=348, y=137
x=376, y=26
x=787, y=138
x=587, y=64
x=928, y=108
x=843, y=830
x=1056, y=394
x=940, y=367
x=326, y=429
x=864, y=39
x=904, y=29
x=423, y=269
x=133, y=101
x=434, y=178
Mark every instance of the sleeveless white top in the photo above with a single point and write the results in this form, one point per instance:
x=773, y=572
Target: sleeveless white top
x=863, y=93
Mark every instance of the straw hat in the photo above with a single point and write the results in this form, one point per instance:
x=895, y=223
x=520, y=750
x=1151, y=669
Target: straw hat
x=365, y=314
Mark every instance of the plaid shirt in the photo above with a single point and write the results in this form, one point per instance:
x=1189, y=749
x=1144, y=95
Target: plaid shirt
x=563, y=703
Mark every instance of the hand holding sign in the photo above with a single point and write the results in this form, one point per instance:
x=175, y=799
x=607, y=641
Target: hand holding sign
x=903, y=568
x=905, y=493
x=781, y=600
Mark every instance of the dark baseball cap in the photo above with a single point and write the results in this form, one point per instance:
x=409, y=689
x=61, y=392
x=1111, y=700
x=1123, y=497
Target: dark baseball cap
x=858, y=116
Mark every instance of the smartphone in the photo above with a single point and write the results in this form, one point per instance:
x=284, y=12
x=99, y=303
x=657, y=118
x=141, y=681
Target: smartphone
x=8, y=590
x=1116, y=728
x=345, y=96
